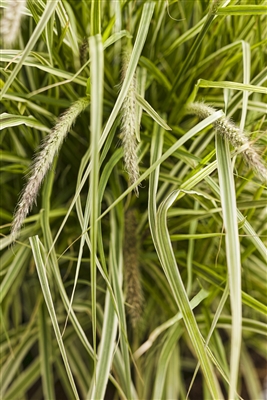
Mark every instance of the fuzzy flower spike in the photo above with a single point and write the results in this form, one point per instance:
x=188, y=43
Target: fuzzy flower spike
x=234, y=135
x=128, y=123
x=134, y=292
x=11, y=21
x=43, y=161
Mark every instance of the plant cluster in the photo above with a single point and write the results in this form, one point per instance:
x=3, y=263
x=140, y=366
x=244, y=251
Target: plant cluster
x=133, y=253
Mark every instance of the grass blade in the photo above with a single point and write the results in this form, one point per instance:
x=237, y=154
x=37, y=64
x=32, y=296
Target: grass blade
x=97, y=71
x=167, y=154
x=153, y=114
x=137, y=49
x=231, y=85
x=96, y=17
x=227, y=191
x=8, y=120
x=105, y=352
x=243, y=10
x=45, y=346
x=35, y=245
x=168, y=262
x=50, y=8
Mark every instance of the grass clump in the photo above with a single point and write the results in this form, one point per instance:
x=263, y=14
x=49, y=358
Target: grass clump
x=105, y=294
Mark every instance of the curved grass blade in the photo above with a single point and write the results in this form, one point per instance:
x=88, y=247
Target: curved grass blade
x=150, y=110
x=8, y=120
x=196, y=300
x=168, y=262
x=35, y=245
x=255, y=239
x=162, y=242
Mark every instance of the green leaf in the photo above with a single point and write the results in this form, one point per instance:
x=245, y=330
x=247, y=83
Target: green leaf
x=231, y=85
x=45, y=346
x=153, y=114
x=105, y=352
x=8, y=120
x=41, y=270
x=170, y=268
x=228, y=199
x=245, y=9
x=50, y=8
x=97, y=72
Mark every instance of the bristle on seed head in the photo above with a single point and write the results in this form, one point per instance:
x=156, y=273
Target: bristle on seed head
x=234, y=135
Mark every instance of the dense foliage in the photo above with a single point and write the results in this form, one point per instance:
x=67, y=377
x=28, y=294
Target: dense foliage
x=139, y=270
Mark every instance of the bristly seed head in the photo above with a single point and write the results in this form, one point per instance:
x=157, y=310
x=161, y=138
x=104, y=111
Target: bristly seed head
x=134, y=293
x=11, y=21
x=234, y=135
x=128, y=122
x=43, y=161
